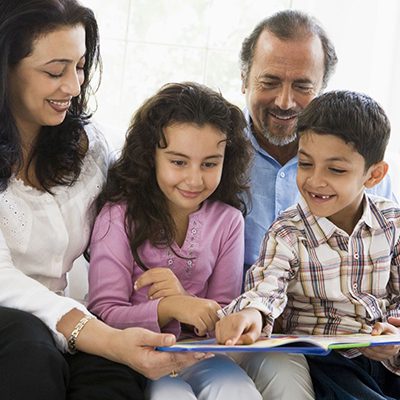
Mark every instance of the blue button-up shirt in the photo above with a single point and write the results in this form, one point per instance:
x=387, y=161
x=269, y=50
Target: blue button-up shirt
x=273, y=190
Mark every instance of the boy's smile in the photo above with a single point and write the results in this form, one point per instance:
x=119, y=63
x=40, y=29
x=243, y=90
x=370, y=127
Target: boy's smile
x=331, y=177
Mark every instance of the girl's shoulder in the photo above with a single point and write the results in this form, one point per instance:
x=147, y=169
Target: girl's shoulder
x=219, y=210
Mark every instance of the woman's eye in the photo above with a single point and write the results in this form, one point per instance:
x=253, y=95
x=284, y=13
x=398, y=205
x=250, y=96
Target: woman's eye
x=52, y=75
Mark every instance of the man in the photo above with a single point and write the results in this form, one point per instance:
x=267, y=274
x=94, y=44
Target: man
x=285, y=62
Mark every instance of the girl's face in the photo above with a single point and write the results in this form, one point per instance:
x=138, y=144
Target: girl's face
x=189, y=169
x=43, y=84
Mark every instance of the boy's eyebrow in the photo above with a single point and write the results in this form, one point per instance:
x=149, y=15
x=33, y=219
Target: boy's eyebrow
x=343, y=159
x=174, y=153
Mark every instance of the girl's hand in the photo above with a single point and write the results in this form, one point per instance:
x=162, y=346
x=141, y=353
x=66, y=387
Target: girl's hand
x=200, y=313
x=243, y=327
x=382, y=353
x=162, y=281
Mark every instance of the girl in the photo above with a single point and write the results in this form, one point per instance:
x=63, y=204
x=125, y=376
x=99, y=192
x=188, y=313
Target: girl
x=167, y=246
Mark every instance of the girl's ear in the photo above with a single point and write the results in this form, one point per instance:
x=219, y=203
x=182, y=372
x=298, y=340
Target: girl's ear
x=376, y=173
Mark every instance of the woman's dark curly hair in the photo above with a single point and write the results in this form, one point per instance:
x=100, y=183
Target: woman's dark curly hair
x=132, y=179
x=59, y=150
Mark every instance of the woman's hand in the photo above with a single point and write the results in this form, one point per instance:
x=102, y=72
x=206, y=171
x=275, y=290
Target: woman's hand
x=243, y=327
x=200, y=313
x=136, y=348
x=382, y=353
x=162, y=282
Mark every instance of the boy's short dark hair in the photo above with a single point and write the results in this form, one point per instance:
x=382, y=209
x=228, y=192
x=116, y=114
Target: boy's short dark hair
x=354, y=117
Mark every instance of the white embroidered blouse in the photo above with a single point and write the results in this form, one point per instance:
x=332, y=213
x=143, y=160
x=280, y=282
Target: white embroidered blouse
x=41, y=235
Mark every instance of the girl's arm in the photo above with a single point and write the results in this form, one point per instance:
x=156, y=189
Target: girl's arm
x=111, y=277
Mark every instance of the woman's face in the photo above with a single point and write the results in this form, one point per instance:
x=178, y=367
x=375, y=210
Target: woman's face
x=43, y=84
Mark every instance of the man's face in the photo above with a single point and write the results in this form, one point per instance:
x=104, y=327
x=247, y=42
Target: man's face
x=284, y=77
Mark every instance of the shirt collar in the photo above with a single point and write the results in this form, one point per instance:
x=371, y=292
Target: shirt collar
x=320, y=229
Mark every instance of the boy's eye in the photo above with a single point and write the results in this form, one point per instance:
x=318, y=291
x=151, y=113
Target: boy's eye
x=304, y=164
x=337, y=170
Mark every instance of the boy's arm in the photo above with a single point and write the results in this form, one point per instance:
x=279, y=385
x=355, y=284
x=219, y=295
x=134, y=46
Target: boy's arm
x=267, y=281
x=394, y=283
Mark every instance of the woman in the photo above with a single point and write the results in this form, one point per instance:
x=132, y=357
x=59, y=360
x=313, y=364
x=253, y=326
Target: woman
x=52, y=165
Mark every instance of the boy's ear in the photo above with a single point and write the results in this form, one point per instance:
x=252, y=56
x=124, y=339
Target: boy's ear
x=376, y=173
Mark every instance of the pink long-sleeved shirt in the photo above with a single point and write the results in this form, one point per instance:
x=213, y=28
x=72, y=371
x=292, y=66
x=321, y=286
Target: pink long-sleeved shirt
x=212, y=266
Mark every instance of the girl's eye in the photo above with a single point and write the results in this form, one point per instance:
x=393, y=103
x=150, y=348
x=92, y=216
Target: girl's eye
x=178, y=163
x=209, y=164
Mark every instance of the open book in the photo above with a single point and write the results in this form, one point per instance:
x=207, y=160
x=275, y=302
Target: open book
x=306, y=344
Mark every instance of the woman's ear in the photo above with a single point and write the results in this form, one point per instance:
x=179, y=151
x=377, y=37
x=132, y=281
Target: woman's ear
x=376, y=173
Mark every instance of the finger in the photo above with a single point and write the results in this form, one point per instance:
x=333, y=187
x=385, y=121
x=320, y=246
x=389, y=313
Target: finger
x=249, y=337
x=395, y=321
x=377, y=329
x=147, y=278
x=162, y=293
x=159, y=339
x=200, y=327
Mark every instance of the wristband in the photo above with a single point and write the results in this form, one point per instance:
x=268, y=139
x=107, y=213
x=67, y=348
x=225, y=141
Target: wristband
x=76, y=331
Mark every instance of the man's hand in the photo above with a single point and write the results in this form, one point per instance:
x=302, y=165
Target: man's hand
x=243, y=327
x=162, y=282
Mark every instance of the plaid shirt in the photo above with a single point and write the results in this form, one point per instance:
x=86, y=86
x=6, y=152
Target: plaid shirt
x=323, y=281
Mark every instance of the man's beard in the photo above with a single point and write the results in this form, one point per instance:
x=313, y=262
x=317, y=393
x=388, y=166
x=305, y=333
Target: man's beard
x=281, y=138
x=278, y=140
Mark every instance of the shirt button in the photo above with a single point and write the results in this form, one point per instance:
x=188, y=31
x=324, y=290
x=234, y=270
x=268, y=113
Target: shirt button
x=282, y=174
x=355, y=286
x=356, y=256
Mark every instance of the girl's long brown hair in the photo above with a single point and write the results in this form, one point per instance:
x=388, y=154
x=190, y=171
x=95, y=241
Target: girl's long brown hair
x=132, y=179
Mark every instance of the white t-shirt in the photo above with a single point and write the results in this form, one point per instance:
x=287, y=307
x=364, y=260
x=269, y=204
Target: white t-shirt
x=41, y=235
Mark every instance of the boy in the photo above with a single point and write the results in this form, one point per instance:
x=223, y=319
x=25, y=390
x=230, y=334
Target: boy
x=331, y=264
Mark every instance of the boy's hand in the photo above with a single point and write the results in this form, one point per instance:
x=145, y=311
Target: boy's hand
x=243, y=327
x=162, y=281
x=382, y=353
x=195, y=311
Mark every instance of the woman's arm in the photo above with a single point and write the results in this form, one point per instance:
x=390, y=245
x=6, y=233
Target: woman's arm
x=134, y=347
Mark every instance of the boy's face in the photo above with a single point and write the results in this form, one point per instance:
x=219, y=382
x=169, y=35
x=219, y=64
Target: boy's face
x=331, y=177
